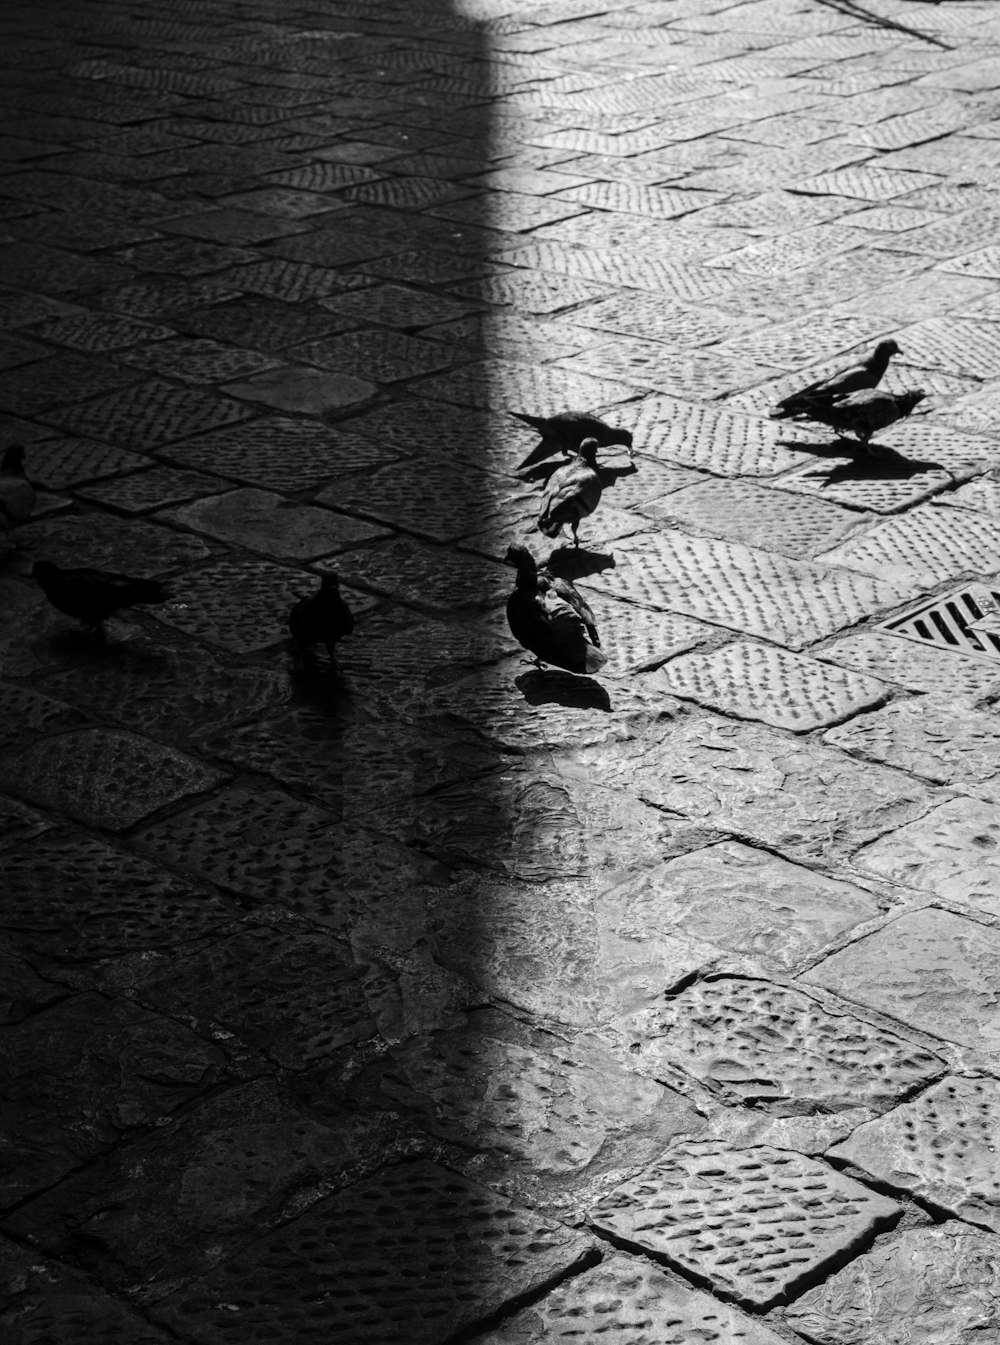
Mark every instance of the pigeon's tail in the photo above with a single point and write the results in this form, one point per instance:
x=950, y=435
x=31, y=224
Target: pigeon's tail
x=595, y=660
x=145, y=590
x=536, y=422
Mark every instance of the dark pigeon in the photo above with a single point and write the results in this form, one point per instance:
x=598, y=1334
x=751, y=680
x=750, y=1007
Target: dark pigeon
x=93, y=595
x=565, y=432
x=865, y=413
x=573, y=491
x=548, y=617
x=858, y=377
x=322, y=617
x=17, y=494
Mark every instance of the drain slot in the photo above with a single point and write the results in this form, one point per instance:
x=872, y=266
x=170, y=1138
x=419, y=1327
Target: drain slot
x=966, y=622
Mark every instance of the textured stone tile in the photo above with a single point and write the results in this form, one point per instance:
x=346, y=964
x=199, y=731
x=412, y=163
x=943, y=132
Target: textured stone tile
x=44, y=1301
x=537, y=388
x=142, y=492
x=440, y=500
x=712, y=438
x=446, y=1254
x=774, y=1047
x=26, y=714
x=684, y=373
x=204, y=1184
x=942, y=1283
x=929, y=968
x=290, y=281
x=939, y=1148
x=380, y=356
x=626, y=1298
x=426, y=577
x=755, y=681
x=102, y=778
x=742, y=588
x=80, y=1073
x=49, y=383
x=933, y=737
x=18, y=823
x=260, y=323
x=919, y=667
x=94, y=333
x=710, y=1209
x=636, y=639
x=196, y=361
x=922, y=548
x=53, y=270
x=727, y=775
x=149, y=414
x=949, y=852
x=264, y=522
x=126, y=546
x=957, y=344
x=291, y=388
x=884, y=485
x=740, y=899
x=238, y=605
x=741, y=511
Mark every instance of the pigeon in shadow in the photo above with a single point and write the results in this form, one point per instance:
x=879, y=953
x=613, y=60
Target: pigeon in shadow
x=856, y=378
x=565, y=432
x=865, y=413
x=572, y=493
x=548, y=617
x=91, y=596
x=17, y=494
x=322, y=617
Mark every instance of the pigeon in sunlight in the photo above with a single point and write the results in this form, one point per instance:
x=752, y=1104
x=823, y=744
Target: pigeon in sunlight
x=93, y=595
x=865, y=413
x=321, y=618
x=17, y=494
x=548, y=617
x=565, y=432
x=572, y=492
x=865, y=374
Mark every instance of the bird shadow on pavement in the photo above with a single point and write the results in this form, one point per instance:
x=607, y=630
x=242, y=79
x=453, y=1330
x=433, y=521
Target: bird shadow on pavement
x=576, y=562
x=560, y=688
x=876, y=463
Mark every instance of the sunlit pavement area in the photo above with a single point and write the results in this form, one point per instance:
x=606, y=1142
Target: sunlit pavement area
x=423, y=995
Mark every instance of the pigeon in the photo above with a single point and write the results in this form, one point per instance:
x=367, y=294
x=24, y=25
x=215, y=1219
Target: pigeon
x=573, y=491
x=321, y=618
x=17, y=494
x=865, y=374
x=93, y=595
x=565, y=432
x=865, y=413
x=548, y=617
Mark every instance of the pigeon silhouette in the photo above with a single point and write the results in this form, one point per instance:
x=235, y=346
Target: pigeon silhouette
x=93, y=595
x=548, y=617
x=17, y=494
x=865, y=413
x=573, y=491
x=856, y=378
x=322, y=617
x=565, y=432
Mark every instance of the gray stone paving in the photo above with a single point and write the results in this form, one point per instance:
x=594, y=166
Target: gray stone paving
x=426, y=996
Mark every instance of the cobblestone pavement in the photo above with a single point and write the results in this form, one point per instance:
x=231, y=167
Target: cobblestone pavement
x=431, y=997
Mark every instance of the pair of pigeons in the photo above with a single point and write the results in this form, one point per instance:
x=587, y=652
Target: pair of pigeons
x=849, y=401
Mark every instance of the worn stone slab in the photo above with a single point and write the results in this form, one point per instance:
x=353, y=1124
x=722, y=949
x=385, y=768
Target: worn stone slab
x=204, y=1184
x=260, y=323
x=932, y=736
x=712, y=438
x=440, y=500
x=290, y=281
x=18, y=823
x=710, y=1209
x=103, y=778
x=445, y=1253
x=44, y=1301
x=775, y=1048
x=923, y=548
x=756, y=681
x=627, y=1300
x=683, y=373
x=728, y=775
x=539, y=389
x=426, y=577
x=742, y=588
x=142, y=492
x=884, y=485
x=45, y=384
x=949, y=852
x=293, y=388
x=931, y=969
x=26, y=715
x=274, y=526
x=940, y=1148
x=742, y=511
x=197, y=360
x=238, y=605
x=58, y=462
x=378, y=356
x=636, y=639
x=400, y=306
x=957, y=344
x=741, y=899
x=936, y=1284
x=83, y=1071
x=532, y=291
x=914, y=665
x=126, y=546
x=149, y=414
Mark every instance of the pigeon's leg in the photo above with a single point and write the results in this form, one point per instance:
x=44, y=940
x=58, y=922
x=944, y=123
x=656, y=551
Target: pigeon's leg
x=576, y=539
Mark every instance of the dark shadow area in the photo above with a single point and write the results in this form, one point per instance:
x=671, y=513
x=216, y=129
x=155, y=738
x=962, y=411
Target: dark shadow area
x=548, y=687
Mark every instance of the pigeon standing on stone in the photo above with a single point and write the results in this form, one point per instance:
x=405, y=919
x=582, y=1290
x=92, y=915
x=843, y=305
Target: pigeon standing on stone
x=865, y=413
x=565, y=432
x=865, y=374
x=548, y=617
x=322, y=617
x=17, y=494
x=573, y=491
x=93, y=595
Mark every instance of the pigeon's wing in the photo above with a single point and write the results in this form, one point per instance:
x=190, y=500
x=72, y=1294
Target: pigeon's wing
x=571, y=595
x=566, y=633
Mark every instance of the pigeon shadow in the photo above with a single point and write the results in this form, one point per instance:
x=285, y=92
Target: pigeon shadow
x=876, y=463
x=552, y=687
x=576, y=562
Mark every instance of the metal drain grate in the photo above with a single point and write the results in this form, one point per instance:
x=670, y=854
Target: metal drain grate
x=967, y=622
